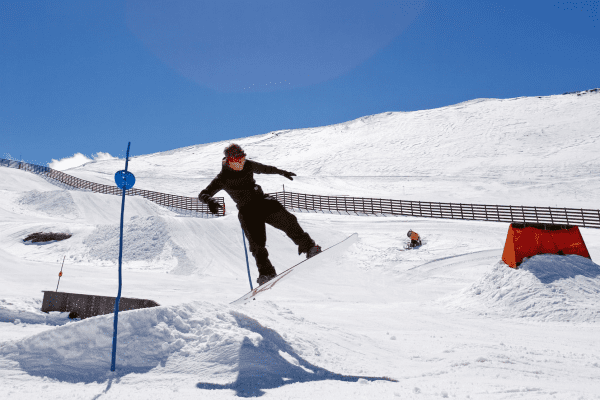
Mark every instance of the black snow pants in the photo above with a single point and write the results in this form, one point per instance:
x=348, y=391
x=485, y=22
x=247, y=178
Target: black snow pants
x=268, y=210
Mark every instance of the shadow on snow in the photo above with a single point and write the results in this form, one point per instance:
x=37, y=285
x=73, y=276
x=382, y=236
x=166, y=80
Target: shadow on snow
x=273, y=363
x=81, y=374
x=549, y=268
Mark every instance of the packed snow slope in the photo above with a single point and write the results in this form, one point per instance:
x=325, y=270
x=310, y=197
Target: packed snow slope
x=523, y=151
x=446, y=320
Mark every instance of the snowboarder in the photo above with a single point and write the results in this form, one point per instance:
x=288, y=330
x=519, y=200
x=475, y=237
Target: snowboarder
x=415, y=239
x=256, y=208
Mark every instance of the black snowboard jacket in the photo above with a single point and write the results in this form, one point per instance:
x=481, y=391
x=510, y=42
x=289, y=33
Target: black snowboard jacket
x=240, y=185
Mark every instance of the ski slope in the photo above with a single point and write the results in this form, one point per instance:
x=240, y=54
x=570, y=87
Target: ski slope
x=447, y=320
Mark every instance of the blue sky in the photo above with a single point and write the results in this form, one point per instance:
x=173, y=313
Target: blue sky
x=90, y=76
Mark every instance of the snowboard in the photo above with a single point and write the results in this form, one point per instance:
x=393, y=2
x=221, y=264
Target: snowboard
x=335, y=250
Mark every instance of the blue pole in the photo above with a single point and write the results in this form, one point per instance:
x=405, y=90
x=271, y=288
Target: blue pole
x=247, y=263
x=114, y=346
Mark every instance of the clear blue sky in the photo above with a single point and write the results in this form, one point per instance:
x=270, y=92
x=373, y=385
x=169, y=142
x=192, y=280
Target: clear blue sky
x=90, y=76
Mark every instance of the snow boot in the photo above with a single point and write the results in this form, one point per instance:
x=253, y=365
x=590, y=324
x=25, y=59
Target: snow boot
x=313, y=251
x=265, y=278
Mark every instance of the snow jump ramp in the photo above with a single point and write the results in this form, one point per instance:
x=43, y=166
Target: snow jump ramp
x=528, y=239
x=85, y=305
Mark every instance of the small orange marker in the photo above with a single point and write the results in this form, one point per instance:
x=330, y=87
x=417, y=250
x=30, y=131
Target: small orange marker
x=60, y=273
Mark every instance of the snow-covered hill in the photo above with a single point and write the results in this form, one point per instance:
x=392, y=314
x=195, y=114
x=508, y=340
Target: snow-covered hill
x=523, y=151
x=447, y=320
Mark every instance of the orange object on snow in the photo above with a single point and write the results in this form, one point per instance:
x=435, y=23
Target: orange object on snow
x=60, y=274
x=413, y=235
x=528, y=239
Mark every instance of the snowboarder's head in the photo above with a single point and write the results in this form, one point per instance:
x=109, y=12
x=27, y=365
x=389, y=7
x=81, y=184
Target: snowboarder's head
x=409, y=233
x=235, y=157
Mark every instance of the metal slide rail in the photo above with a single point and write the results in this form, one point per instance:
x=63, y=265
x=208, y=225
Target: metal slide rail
x=176, y=203
x=476, y=212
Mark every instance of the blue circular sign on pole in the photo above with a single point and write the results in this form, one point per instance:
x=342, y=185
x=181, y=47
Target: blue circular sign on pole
x=124, y=179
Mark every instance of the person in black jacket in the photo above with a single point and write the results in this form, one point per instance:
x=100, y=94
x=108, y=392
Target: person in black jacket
x=256, y=208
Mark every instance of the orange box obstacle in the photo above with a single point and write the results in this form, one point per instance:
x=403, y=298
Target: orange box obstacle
x=528, y=239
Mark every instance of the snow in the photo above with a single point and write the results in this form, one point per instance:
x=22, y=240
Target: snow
x=57, y=202
x=446, y=320
x=199, y=334
x=546, y=287
x=77, y=160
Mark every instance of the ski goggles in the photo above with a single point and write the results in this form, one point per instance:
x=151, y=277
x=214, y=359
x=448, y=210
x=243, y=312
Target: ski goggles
x=236, y=160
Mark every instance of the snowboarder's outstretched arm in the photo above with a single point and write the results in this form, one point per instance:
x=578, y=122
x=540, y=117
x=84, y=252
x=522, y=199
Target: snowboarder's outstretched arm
x=267, y=169
x=206, y=196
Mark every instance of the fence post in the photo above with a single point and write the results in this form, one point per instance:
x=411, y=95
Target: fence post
x=523, y=214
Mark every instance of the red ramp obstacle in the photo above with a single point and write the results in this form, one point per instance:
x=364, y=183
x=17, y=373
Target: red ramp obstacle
x=528, y=239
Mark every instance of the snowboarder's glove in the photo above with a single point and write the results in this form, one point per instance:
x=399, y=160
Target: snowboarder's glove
x=203, y=197
x=212, y=204
x=288, y=175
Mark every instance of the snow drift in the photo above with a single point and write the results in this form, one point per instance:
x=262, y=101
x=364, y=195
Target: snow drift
x=223, y=347
x=81, y=352
x=57, y=203
x=546, y=287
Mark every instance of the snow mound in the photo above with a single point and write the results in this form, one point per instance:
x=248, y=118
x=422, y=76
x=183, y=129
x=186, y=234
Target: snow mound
x=549, y=268
x=27, y=311
x=146, y=240
x=53, y=203
x=213, y=345
x=546, y=287
x=81, y=352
